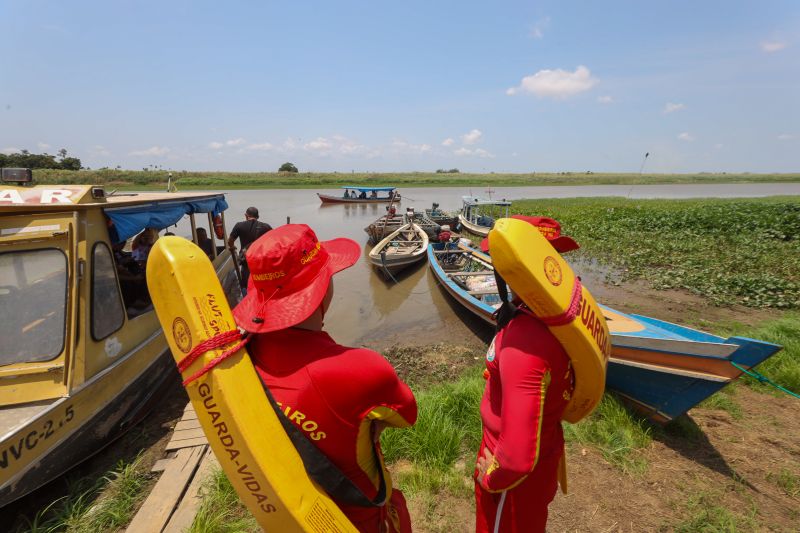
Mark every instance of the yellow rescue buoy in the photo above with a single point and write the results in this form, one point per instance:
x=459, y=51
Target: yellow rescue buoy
x=538, y=274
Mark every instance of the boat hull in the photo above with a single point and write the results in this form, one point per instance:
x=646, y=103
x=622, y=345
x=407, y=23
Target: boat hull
x=393, y=263
x=661, y=368
x=329, y=199
x=483, y=231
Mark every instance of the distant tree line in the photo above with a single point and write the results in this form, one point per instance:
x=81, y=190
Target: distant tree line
x=25, y=159
x=451, y=171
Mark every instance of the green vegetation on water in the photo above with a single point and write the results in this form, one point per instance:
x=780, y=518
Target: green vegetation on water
x=157, y=179
x=732, y=251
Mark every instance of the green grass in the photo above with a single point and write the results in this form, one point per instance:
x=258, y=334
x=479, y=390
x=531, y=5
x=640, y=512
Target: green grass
x=784, y=367
x=616, y=432
x=787, y=480
x=221, y=510
x=448, y=425
x=725, y=400
x=106, y=505
x=730, y=251
x=706, y=515
x=265, y=180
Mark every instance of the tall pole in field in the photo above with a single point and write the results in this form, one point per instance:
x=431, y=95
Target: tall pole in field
x=643, y=162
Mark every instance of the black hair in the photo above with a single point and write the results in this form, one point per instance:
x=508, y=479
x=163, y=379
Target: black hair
x=252, y=212
x=507, y=310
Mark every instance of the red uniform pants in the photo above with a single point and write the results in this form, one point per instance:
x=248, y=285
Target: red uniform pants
x=522, y=509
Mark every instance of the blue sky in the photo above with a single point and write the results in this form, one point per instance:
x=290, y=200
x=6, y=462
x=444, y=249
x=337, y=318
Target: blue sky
x=404, y=86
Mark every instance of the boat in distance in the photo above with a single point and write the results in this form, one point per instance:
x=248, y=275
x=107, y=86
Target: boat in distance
x=661, y=369
x=83, y=355
x=402, y=248
x=477, y=216
x=367, y=195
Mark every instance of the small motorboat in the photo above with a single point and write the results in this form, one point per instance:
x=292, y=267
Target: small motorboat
x=400, y=249
x=83, y=356
x=477, y=216
x=365, y=195
x=390, y=222
x=440, y=217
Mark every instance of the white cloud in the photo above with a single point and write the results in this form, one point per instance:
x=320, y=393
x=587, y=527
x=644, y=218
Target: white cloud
x=719, y=146
x=463, y=151
x=556, y=83
x=320, y=145
x=10, y=150
x=260, y=147
x=672, y=107
x=772, y=46
x=785, y=137
x=99, y=150
x=472, y=137
x=448, y=142
x=152, y=151
x=538, y=28
x=216, y=145
x=686, y=136
x=606, y=99
x=406, y=147
x=43, y=146
x=480, y=152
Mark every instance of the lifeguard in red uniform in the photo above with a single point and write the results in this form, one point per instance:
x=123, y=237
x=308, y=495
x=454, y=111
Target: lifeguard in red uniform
x=339, y=397
x=529, y=383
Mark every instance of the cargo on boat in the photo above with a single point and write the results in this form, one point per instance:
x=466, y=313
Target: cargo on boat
x=365, y=195
x=83, y=355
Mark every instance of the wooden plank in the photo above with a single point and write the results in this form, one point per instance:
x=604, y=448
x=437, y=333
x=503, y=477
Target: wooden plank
x=183, y=425
x=188, y=443
x=187, y=434
x=162, y=464
x=189, y=415
x=159, y=505
x=483, y=292
x=475, y=273
x=183, y=516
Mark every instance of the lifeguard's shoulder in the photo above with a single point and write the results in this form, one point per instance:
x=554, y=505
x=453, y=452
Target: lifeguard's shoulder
x=530, y=334
x=362, y=365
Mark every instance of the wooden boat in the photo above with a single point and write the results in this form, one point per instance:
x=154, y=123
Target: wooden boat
x=387, y=224
x=401, y=249
x=661, y=368
x=80, y=360
x=371, y=195
x=478, y=216
x=443, y=218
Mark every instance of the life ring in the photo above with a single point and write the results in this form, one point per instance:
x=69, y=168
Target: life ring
x=219, y=228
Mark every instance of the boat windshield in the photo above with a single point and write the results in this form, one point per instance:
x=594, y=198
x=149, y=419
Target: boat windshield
x=33, y=288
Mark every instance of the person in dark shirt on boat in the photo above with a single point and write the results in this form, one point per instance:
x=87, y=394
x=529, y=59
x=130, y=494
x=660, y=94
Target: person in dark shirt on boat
x=204, y=242
x=247, y=232
x=340, y=397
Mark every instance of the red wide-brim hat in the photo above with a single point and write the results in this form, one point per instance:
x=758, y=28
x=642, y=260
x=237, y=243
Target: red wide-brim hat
x=289, y=300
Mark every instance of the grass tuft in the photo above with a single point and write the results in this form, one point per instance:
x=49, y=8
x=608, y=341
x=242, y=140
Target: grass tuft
x=705, y=515
x=221, y=510
x=619, y=434
x=724, y=401
x=107, y=505
x=787, y=480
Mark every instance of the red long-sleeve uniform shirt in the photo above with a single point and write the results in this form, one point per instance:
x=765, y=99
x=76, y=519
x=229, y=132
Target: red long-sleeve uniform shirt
x=334, y=394
x=530, y=382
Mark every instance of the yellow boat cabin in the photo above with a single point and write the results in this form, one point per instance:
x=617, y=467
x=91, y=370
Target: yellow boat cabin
x=83, y=356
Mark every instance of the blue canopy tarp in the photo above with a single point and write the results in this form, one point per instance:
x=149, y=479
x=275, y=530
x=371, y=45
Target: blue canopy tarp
x=366, y=189
x=129, y=221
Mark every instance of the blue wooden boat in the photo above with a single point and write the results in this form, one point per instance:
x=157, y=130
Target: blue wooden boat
x=661, y=368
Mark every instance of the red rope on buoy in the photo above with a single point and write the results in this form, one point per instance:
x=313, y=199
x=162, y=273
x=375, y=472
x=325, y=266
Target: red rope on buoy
x=571, y=312
x=217, y=341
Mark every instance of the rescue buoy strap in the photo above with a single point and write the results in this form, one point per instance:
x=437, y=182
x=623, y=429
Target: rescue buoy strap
x=211, y=343
x=321, y=469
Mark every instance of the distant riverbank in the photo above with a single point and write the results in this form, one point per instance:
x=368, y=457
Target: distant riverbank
x=157, y=180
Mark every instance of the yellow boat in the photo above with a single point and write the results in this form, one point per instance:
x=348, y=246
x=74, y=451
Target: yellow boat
x=83, y=356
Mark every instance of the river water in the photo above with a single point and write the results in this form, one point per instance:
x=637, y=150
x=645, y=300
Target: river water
x=369, y=311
